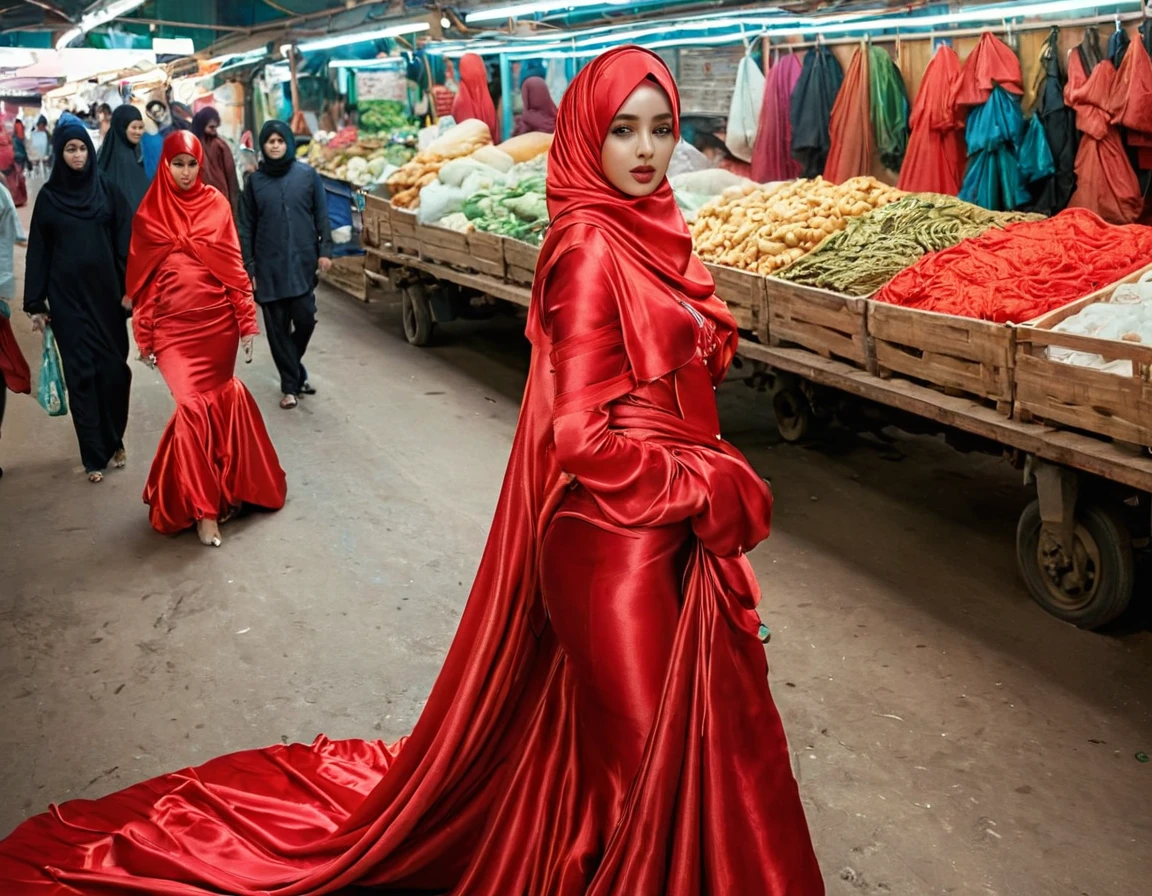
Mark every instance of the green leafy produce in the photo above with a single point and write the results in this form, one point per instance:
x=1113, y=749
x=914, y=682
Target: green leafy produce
x=875, y=247
x=520, y=212
x=383, y=116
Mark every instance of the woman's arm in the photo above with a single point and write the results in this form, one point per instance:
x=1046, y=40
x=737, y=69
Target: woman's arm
x=636, y=482
x=38, y=262
x=246, y=226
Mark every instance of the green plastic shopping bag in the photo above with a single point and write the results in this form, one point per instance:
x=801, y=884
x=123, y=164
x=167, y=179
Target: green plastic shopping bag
x=50, y=393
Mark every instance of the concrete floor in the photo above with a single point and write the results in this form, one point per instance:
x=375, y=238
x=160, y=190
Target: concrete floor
x=950, y=737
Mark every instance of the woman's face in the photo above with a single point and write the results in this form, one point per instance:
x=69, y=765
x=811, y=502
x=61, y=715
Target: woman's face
x=76, y=154
x=275, y=147
x=135, y=132
x=640, y=142
x=184, y=170
x=211, y=127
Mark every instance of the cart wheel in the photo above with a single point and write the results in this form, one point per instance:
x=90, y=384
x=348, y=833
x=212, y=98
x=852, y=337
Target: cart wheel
x=1102, y=589
x=794, y=417
x=417, y=315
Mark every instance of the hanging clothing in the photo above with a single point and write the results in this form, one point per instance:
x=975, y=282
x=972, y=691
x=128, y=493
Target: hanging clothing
x=1105, y=181
x=473, y=99
x=605, y=704
x=219, y=164
x=991, y=88
x=192, y=303
x=1118, y=47
x=772, y=155
x=1036, y=163
x=1052, y=194
x=936, y=151
x=539, y=109
x=812, y=101
x=1091, y=50
x=889, y=109
x=850, y=130
x=14, y=373
x=1130, y=103
x=121, y=162
x=74, y=271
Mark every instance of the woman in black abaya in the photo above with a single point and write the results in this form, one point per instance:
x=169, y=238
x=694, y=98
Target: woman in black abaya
x=121, y=161
x=77, y=253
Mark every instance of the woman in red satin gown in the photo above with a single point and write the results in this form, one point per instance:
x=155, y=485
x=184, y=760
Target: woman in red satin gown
x=192, y=307
x=602, y=725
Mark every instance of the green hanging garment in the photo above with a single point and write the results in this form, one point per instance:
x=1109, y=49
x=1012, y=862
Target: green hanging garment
x=890, y=109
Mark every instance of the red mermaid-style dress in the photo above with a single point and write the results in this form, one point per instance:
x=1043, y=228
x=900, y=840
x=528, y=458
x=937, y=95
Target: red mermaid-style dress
x=215, y=455
x=602, y=725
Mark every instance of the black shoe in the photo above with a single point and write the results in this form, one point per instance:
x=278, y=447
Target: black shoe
x=307, y=389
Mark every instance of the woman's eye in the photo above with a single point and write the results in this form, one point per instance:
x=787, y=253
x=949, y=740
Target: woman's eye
x=622, y=131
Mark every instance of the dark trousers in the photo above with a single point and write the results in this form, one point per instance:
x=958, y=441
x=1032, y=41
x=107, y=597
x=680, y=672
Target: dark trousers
x=290, y=323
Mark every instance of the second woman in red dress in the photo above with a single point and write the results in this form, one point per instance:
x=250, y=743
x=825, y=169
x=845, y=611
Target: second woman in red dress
x=192, y=309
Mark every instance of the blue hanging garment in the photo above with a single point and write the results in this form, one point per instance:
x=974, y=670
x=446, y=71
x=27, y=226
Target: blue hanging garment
x=995, y=135
x=1036, y=161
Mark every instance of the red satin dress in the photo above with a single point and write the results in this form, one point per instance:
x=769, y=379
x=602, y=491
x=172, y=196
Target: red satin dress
x=215, y=455
x=602, y=725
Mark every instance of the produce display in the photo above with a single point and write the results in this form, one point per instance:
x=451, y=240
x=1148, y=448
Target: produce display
x=519, y=211
x=350, y=156
x=1125, y=317
x=383, y=116
x=457, y=142
x=875, y=247
x=1025, y=270
x=763, y=229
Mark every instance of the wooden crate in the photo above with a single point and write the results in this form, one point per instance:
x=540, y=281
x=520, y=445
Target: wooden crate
x=1114, y=405
x=743, y=292
x=486, y=253
x=377, y=221
x=520, y=261
x=828, y=323
x=347, y=274
x=404, y=224
x=959, y=355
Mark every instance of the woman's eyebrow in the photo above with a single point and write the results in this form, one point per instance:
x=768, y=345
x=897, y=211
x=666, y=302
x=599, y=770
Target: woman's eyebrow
x=663, y=116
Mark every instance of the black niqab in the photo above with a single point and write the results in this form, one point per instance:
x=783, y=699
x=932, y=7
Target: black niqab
x=277, y=167
x=121, y=162
x=79, y=193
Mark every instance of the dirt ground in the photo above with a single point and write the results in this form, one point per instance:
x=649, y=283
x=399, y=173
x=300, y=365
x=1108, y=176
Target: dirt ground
x=950, y=737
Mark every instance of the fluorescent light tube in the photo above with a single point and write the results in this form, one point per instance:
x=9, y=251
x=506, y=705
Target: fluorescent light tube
x=518, y=10
x=341, y=40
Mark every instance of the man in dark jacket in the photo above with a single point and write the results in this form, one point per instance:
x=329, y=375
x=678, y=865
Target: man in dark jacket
x=285, y=237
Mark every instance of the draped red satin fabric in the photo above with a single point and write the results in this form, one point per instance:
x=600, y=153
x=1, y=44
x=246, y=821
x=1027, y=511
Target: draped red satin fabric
x=602, y=725
x=473, y=100
x=936, y=152
x=1105, y=181
x=851, y=125
x=215, y=455
x=992, y=63
x=17, y=376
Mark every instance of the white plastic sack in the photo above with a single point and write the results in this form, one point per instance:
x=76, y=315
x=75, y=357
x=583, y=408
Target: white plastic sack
x=744, y=116
x=494, y=158
x=438, y=201
x=710, y=182
x=686, y=158
x=454, y=173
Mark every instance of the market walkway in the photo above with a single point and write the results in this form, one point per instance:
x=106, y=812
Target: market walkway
x=951, y=738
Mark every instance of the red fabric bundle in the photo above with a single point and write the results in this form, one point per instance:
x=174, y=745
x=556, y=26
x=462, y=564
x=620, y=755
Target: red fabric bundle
x=992, y=62
x=851, y=126
x=1131, y=101
x=1027, y=269
x=936, y=151
x=1105, y=181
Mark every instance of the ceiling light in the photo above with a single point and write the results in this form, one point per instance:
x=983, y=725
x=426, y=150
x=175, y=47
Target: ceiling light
x=341, y=40
x=538, y=7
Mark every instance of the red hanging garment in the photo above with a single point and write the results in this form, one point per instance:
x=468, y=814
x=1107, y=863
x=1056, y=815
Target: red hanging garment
x=549, y=759
x=772, y=156
x=1130, y=104
x=1105, y=181
x=936, y=150
x=991, y=63
x=851, y=127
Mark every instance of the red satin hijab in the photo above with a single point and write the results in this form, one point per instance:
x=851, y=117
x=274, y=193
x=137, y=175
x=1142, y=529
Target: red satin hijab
x=651, y=246
x=198, y=220
x=474, y=100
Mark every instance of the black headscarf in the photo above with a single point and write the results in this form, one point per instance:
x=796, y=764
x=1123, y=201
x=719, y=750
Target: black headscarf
x=277, y=167
x=79, y=193
x=120, y=162
x=202, y=119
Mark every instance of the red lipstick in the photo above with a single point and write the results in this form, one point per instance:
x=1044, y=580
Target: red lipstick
x=643, y=173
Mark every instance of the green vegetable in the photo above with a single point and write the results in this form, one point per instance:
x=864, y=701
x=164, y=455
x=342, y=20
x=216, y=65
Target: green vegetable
x=383, y=116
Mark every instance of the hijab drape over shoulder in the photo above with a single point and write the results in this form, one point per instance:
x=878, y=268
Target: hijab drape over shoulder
x=121, y=162
x=474, y=100
x=198, y=220
x=80, y=193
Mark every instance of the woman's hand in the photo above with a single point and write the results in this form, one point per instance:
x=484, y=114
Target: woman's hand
x=246, y=342
x=148, y=359
x=126, y=303
x=739, y=512
x=40, y=323
x=325, y=265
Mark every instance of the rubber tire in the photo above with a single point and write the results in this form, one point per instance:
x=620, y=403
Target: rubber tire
x=1117, y=559
x=417, y=316
x=794, y=418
